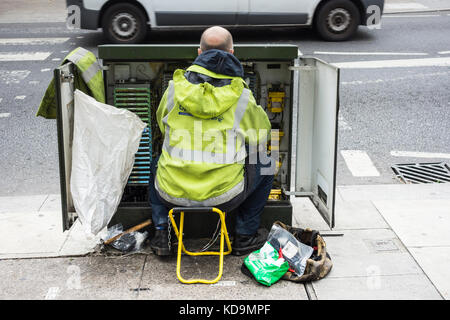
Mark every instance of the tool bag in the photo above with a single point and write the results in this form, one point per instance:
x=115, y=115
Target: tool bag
x=319, y=264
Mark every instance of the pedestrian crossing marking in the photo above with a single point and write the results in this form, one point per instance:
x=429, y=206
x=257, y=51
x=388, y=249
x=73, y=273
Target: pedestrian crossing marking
x=32, y=41
x=24, y=56
x=399, y=63
x=359, y=163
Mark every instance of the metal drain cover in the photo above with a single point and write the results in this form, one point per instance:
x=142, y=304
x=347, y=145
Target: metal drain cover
x=436, y=172
x=383, y=245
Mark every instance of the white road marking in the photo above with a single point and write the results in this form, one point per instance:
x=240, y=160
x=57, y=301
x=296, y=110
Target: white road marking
x=33, y=82
x=409, y=77
x=45, y=69
x=52, y=293
x=5, y=115
x=14, y=76
x=32, y=41
x=24, y=56
x=404, y=6
x=20, y=97
x=372, y=53
x=359, y=163
x=413, y=154
x=444, y=52
x=56, y=59
x=410, y=15
x=401, y=63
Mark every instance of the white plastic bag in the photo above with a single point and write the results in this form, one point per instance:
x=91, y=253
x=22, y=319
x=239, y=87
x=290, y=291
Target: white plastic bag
x=105, y=140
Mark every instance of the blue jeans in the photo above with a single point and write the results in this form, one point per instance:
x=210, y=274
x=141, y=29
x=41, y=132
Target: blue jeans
x=249, y=205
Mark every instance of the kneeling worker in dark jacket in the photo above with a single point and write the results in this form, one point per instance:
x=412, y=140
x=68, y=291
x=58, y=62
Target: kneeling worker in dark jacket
x=212, y=125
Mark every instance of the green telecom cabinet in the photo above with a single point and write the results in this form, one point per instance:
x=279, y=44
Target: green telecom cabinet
x=300, y=95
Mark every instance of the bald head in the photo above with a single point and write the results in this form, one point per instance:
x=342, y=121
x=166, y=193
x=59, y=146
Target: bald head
x=216, y=38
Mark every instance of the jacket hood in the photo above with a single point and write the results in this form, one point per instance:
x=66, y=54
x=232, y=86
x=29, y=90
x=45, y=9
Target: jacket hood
x=220, y=62
x=204, y=100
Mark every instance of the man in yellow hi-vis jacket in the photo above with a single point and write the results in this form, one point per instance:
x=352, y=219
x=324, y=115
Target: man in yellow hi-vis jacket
x=212, y=125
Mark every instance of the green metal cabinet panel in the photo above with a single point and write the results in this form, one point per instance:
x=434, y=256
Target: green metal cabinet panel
x=309, y=148
x=148, y=52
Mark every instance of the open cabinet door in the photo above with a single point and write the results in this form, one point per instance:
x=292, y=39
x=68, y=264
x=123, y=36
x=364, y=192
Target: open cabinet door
x=64, y=85
x=317, y=98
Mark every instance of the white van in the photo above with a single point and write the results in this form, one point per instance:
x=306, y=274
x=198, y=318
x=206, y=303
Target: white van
x=127, y=21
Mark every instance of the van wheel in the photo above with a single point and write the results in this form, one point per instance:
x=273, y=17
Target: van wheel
x=124, y=23
x=337, y=20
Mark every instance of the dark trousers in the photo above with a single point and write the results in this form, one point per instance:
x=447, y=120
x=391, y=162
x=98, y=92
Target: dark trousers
x=248, y=205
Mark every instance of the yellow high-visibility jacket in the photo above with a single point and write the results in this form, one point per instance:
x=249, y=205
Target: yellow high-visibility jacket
x=88, y=78
x=205, y=131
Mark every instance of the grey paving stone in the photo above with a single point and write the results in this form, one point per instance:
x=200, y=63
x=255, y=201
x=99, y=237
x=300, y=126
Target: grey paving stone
x=395, y=192
x=305, y=215
x=358, y=215
x=418, y=223
x=435, y=261
x=78, y=242
x=23, y=234
x=52, y=203
x=95, y=277
x=363, y=252
x=159, y=281
x=400, y=287
x=19, y=204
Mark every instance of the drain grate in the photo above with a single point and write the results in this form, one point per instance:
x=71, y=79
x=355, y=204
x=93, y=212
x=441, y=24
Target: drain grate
x=437, y=172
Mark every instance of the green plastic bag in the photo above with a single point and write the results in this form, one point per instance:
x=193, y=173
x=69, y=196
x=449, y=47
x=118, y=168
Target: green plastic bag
x=266, y=265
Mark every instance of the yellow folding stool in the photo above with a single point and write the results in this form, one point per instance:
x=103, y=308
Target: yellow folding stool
x=179, y=234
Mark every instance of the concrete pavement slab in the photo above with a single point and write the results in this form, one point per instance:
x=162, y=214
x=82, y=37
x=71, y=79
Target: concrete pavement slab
x=369, y=254
x=31, y=278
x=418, y=223
x=159, y=281
x=358, y=215
x=359, y=253
x=95, y=277
x=395, y=192
x=28, y=234
x=105, y=277
x=14, y=204
x=353, y=214
x=305, y=215
x=375, y=287
x=31, y=226
x=435, y=261
x=52, y=203
x=78, y=242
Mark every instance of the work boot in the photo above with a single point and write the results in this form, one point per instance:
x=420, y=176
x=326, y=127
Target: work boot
x=244, y=244
x=160, y=242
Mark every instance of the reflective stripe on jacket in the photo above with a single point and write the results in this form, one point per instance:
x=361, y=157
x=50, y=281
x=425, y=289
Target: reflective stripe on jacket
x=91, y=81
x=205, y=130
